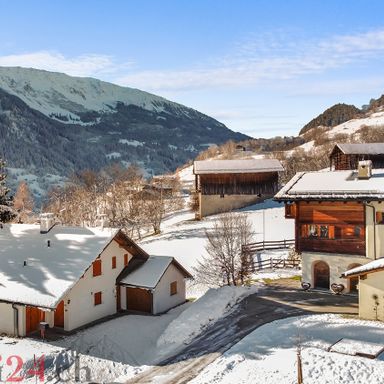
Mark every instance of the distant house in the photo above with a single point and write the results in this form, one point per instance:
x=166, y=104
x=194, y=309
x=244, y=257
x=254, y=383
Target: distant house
x=339, y=221
x=370, y=279
x=69, y=277
x=347, y=156
x=223, y=185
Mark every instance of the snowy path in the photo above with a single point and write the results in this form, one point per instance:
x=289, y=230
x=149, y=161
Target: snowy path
x=270, y=304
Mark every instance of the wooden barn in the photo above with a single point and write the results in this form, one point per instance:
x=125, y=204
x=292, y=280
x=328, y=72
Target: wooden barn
x=224, y=185
x=347, y=156
x=338, y=222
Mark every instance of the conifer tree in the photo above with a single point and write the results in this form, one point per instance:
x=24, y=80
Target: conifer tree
x=6, y=211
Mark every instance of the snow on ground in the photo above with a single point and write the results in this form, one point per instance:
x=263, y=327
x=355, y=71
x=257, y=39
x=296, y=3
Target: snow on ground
x=184, y=238
x=186, y=177
x=274, y=274
x=118, y=349
x=375, y=120
x=216, y=303
x=268, y=355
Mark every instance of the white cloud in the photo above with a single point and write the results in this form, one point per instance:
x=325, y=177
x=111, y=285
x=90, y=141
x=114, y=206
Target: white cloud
x=265, y=60
x=83, y=65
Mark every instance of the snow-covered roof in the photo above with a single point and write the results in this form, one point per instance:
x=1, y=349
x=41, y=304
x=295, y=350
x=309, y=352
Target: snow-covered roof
x=361, y=148
x=373, y=266
x=333, y=185
x=237, y=166
x=149, y=273
x=49, y=272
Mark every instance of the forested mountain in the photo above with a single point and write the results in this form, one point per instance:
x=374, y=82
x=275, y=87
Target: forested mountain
x=52, y=124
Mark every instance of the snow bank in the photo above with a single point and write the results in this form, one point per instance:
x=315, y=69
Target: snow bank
x=268, y=354
x=216, y=303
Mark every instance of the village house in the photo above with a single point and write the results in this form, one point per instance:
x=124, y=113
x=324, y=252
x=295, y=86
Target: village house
x=371, y=288
x=69, y=277
x=223, y=185
x=339, y=221
x=347, y=156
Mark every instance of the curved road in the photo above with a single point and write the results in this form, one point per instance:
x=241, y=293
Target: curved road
x=276, y=301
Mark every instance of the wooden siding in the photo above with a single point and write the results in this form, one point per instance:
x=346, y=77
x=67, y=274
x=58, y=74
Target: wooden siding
x=341, y=161
x=343, y=224
x=238, y=184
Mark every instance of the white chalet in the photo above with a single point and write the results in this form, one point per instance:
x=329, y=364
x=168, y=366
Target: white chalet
x=69, y=277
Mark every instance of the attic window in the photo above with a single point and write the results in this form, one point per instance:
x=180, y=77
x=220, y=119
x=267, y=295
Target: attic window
x=379, y=217
x=96, y=268
x=173, y=288
x=125, y=259
x=113, y=262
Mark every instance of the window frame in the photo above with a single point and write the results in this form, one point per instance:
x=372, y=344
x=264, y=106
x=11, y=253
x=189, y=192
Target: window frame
x=173, y=288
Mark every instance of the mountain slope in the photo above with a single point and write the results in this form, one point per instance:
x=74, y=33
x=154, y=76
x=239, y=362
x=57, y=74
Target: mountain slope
x=51, y=123
x=335, y=115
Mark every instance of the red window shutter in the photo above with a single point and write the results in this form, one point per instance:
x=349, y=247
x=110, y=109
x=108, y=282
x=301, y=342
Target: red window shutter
x=97, y=267
x=97, y=298
x=113, y=262
x=125, y=259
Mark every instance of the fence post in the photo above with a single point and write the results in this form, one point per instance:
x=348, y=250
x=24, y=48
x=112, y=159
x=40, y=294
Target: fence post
x=271, y=262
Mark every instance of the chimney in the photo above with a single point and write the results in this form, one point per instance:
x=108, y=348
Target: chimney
x=47, y=221
x=364, y=169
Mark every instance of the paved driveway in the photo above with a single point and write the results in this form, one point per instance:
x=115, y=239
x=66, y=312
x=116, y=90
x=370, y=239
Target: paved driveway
x=276, y=301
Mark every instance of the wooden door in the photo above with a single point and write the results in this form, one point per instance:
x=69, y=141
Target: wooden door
x=33, y=317
x=118, y=298
x=139, y=300
x=59, y=315
x=321, y=275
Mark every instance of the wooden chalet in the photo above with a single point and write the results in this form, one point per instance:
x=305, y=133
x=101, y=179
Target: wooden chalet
x=347, y=156
x=223, y=185
x=338, y=221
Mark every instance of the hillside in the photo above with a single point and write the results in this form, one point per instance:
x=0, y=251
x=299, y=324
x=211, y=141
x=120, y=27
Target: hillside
x=333, y=116
x=52, y=124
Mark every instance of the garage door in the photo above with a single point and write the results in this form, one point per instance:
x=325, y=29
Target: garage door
x=139, y=300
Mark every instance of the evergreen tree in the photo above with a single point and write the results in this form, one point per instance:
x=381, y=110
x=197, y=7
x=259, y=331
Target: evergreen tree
x=6, y=211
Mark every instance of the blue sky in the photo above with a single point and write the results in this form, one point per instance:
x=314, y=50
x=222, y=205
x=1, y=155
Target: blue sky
x=263, y=68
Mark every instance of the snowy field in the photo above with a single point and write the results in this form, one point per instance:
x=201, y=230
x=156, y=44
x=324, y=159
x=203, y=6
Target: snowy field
x=268, y=355
x=121, y=348
x=184, y=238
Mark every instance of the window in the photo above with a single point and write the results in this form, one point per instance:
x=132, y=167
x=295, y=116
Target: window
x=379, y=217
x=125, y=259
x=290, y=211
x=331, y=232
x=97, y=298
x=113, y=262
x=173, y=288
x=97, y=268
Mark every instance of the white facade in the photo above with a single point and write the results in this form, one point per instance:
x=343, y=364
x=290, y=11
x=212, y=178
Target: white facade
x=371, y=296
x=162, y=298
x=79, y=307
x=338, y=263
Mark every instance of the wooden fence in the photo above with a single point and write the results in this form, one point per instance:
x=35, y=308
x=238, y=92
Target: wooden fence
x=253, y=248
x=273, y=263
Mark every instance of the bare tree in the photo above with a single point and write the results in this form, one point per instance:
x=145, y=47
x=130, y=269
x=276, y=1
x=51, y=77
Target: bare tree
x=225, y=264
x=23, y=202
